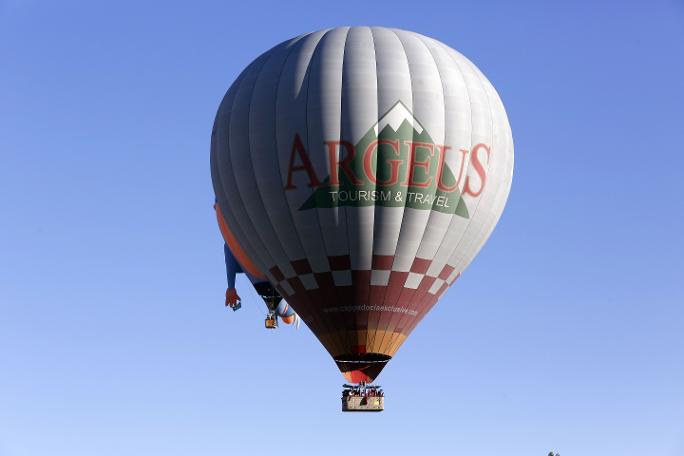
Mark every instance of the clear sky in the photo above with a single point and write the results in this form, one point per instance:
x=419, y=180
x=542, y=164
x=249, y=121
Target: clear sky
x=566, y=333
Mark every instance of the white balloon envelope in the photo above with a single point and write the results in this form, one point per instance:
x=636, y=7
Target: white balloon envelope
x=361, y=170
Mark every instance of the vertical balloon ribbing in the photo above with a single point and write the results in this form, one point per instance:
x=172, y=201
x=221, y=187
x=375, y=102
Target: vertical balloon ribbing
x=361, y=169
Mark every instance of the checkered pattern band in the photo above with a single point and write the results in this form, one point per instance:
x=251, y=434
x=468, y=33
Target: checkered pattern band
x=382, y=274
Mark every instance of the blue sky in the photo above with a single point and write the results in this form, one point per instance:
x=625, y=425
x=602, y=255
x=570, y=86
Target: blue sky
x=565, y=333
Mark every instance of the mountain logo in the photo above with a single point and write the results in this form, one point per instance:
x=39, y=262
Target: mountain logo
x=395, y=164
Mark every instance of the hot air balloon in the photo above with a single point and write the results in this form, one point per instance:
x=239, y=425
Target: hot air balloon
x=361, y=169
x=235, y=258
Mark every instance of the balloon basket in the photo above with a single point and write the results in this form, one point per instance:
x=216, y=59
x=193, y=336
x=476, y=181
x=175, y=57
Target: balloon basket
x=271, y=322
x=363, y=398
